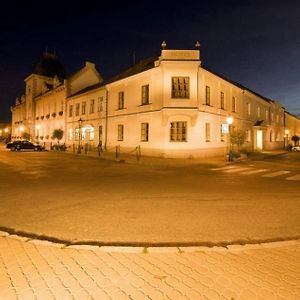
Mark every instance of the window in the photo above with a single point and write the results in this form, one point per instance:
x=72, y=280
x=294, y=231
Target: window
x=144, y=132
x=121, y=100
x=258, y=111
x=248, y=136
x=92, y=106
x=145, y=94
x=207, y=95
x=71, y=111
x=249, y=109
x=267, y=115
x=100, y=104
x=70, y=134
x=120, y=132
x=207, y=132
x=83, y=108
x=100, y=134
x=222, y=100
x=180, y=87
x=233, y=104
x=76, y=134
x=178, y=131
x=77, y=109
x=272, y=116
x=222, y=134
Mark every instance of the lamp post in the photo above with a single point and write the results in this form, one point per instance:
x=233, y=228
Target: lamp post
x=37, y=133
x=79, y=136
x=229, y=121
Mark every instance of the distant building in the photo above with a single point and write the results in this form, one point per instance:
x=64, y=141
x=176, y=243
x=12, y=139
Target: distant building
x=42, y=109
x=170, y=106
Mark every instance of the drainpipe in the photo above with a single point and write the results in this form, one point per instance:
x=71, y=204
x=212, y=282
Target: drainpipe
x=106, y=121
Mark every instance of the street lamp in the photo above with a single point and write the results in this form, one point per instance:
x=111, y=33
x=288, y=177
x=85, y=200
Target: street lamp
x=79, y=136
x=229, y=121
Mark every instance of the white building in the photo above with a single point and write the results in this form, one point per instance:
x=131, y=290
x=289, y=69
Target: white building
x=169, y=106
x=172, y=106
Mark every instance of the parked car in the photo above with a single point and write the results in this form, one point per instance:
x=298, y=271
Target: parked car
x=24, y=145
x=296, y=148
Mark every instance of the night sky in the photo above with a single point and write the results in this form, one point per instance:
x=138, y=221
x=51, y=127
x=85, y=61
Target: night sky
x=256, y=43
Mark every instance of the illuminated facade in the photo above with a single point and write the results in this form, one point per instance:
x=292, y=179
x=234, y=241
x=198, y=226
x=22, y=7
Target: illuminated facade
x=42, y=109
x=168, y=106
x=171, y=106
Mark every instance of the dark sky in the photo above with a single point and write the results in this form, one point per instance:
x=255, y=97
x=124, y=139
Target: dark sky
x=256, y=43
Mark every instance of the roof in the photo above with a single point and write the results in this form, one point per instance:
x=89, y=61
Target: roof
x=141, y=66
x=237, y=84
x=149, y=63
x=49, y=65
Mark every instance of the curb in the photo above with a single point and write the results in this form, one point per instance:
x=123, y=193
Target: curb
x=150, y=249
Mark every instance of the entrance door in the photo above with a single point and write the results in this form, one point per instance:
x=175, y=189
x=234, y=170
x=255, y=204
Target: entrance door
x=259, y=140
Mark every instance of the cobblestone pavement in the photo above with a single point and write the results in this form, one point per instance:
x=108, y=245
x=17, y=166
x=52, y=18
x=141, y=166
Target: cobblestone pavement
x=41, y=270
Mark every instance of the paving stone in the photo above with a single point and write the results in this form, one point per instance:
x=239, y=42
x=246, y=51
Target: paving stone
x=262, y=273
x=212, y=294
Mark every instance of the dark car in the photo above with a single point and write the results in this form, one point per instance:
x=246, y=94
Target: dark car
x=24, y=145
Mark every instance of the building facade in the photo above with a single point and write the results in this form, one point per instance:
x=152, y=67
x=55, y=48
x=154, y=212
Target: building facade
x=168, y=106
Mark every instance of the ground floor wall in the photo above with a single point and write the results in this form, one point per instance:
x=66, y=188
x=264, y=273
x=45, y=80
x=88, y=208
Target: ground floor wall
x=180, y=133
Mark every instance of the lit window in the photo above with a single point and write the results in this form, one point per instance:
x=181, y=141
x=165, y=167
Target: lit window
x=248, y=109
x=144, y=132
x=178, y=132
x=207, y=132
x=248, y=136
x=207, y=95
x=70, y=134
x=121, y=100
x=145, y=94
x=222, y=100
x=180, y=87
x=76, y=134
x=267, y=115
x=258, y=111
x=120, y=132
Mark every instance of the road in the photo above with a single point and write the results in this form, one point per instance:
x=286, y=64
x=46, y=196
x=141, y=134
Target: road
x=161, y=202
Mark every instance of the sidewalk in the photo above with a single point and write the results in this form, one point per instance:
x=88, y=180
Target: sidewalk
x=41, y=270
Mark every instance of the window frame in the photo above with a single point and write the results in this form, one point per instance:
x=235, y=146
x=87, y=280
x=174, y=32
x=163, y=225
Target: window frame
x=222, y=100
x=120, y=132
x=121, y=100
x=145, y=132
x=145, y=94
x=207, y=95
x=180, y=133
x=179, y=89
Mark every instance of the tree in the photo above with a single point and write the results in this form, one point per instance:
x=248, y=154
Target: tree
x=58, y=134
x=237, y=138
x=295, y=138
